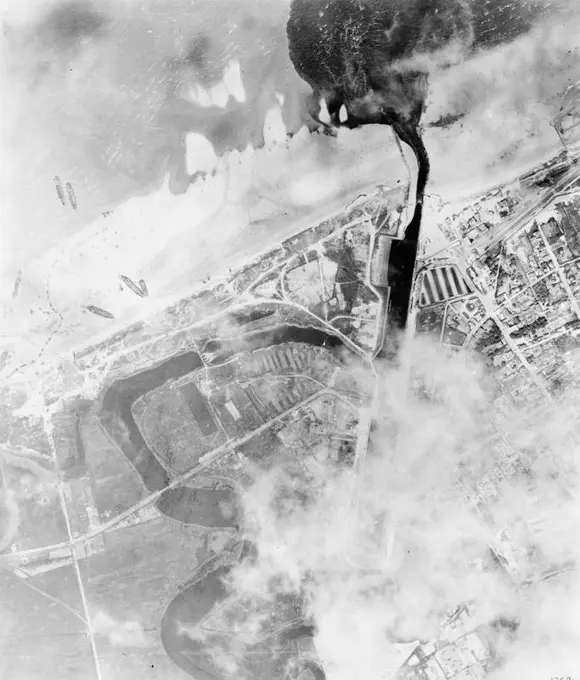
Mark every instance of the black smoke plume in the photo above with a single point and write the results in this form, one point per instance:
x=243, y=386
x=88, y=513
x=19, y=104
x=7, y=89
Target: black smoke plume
x=360, y=55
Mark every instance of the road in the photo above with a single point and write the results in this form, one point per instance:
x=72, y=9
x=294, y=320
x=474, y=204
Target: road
x=205, y=462
x=504, y=231
x=491, y=310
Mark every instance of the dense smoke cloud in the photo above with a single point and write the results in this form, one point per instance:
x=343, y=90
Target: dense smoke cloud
x=370, y=56
x=367, y=595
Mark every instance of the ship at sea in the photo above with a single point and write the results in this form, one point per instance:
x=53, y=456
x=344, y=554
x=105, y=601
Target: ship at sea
x=59, y=190
x=99, y=311
x=71, y=195
x=132, y=286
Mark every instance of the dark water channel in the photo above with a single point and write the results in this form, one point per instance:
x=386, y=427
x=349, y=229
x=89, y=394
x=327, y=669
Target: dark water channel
x=203, y=506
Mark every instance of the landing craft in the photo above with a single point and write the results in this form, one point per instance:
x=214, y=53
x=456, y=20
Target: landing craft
x=100, y=312
x=132, y=285
x=59, y=190
x=143, y=286
x=17, y=284
x=71, y=195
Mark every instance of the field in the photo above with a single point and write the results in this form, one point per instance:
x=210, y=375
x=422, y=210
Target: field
x=42, y=637
x=116, y=484
x=141, y=569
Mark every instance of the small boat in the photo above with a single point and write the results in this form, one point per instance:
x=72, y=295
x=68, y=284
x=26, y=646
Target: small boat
x=59, y=190
x=71, y=195
x=131, y=285
x=99, y=311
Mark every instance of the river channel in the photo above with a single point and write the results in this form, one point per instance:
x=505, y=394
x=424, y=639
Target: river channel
x=203, y=506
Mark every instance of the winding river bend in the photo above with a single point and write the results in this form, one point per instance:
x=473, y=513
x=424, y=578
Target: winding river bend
x=191, y=605
x=205, y=506
x=202, y=506
x=200, y=654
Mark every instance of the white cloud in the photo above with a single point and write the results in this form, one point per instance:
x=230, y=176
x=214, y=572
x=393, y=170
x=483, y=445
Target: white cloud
x=439, y=555
x=128, y=633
